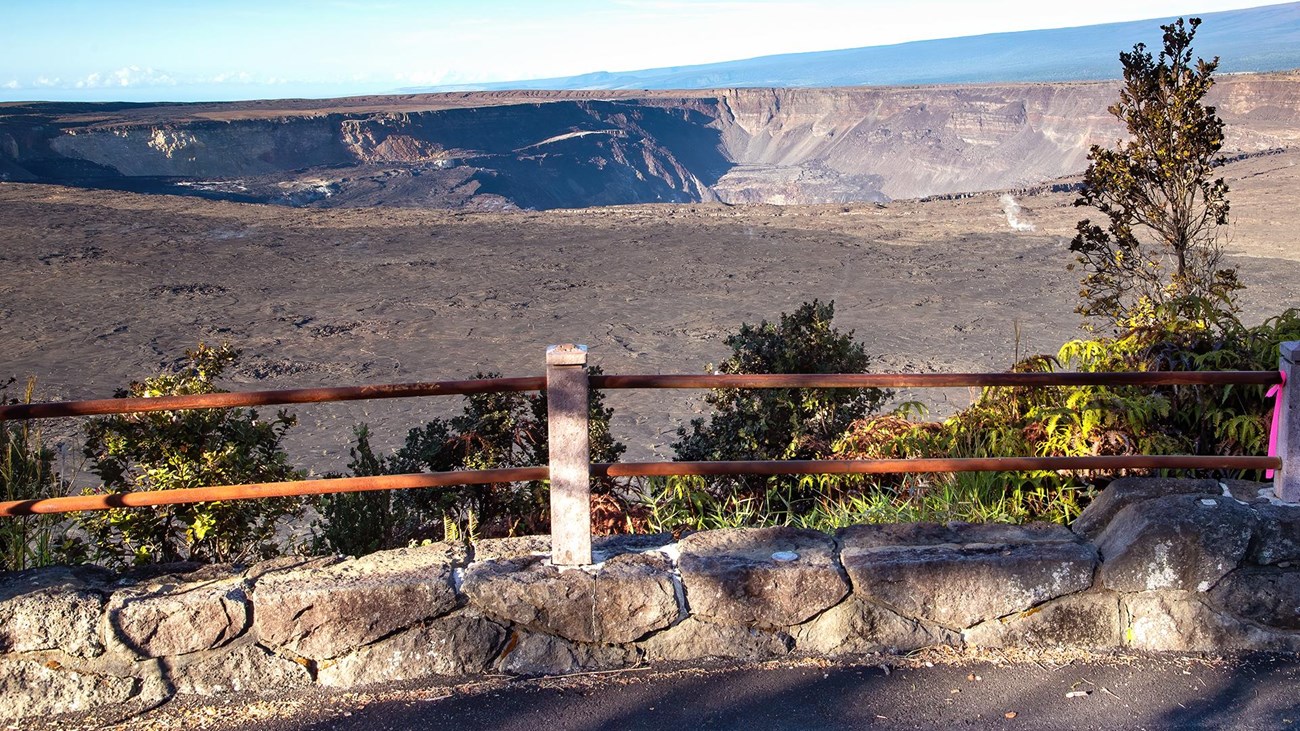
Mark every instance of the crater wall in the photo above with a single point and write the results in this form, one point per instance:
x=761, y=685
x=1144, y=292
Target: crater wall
x=542, y=150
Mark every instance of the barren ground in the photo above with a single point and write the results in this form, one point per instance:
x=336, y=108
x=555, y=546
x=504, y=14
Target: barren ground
x=101, y=288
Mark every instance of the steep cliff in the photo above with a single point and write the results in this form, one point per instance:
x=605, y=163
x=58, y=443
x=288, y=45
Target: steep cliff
x=573, y=149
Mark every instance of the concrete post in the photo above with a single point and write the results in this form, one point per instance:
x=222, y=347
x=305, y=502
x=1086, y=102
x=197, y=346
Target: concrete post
x=570, y=458
x=1287, y=481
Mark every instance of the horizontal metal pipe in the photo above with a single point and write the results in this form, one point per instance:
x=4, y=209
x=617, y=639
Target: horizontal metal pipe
x=891, y=466
x=536, y=383
x=624, y=469
x=920, y=380
x=267, y=398
x=270, y=489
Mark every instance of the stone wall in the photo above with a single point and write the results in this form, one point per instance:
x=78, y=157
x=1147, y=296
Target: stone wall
x=1151, y=565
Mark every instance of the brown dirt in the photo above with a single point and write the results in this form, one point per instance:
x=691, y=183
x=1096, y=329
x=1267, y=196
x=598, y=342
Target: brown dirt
x=102, y=287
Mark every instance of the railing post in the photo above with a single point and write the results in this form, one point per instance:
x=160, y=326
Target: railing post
x=1287, y=482
x=570, y=459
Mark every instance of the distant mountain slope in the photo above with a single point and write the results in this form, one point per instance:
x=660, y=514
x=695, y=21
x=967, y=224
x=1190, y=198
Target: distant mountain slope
x=1257, y=39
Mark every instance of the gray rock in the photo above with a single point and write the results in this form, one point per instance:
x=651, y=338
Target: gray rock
x=460, y=644
x=1088, y=620
x=1270, y=596
x=1178, y=621
x=178, y=572
x=959, y=575
x=622, y=600
x=692, y=639
x=31, y=688
x=280, y=564
x=1185, y=542
x=322, y=613
x=495, y=549
x=732, y=577
x=956, y=533
x=527, y=653
x=1129, y=490
x=51, y=609
x=176, y=620
x=605, y=547
x=244, y=668
x=1248, y=491
x=602, y=547
x=855, y=627
x=1277, y=535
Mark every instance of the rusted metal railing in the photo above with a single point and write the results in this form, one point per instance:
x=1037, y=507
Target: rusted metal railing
x=931, y=464
x=569, y=470
x=106, y=501
x=936, y=380
x=99, y=407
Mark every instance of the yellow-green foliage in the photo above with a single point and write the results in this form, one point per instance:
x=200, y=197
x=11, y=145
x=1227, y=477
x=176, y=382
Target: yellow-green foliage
x=167, y=450
x=1093, y=420
x=1225, y=420
x=1018, y=422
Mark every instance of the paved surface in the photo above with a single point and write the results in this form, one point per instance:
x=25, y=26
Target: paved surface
x=941, y=692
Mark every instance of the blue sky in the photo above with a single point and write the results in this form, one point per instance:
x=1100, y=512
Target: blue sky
x=137, y=50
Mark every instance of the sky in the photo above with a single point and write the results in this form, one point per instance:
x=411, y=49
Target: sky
x=191, y=50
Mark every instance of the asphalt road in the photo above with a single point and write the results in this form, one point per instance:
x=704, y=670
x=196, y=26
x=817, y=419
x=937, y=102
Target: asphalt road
x=1109, y=692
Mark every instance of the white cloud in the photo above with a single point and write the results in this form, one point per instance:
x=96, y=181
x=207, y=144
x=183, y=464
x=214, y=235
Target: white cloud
x=46, y=81
x=234, y=77
x=125, y=76
x=12, y=84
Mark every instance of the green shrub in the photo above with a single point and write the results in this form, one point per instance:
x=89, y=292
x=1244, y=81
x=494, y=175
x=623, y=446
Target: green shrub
x=168, y=450
x=27, y=473
x=1097, y=420
x=357, y=523
x=1209, y=420
x=494, y=430
x=780, y=424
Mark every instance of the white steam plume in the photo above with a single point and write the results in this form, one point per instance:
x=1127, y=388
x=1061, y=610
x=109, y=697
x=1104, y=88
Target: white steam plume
x=1012, y=209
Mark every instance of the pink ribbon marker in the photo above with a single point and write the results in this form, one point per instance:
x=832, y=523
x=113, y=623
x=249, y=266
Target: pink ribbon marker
x=1275, y=391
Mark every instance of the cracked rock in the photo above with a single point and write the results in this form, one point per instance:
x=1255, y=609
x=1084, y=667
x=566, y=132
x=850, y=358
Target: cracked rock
x=1267, y=595
x=460, y=644
x=1178, y=621
x=324, y=612
x=962, y=574
x=692, y=639
x=528, y=653
x=855, y=627
x=1127, y=491
x=1185, y=542
x=177, y=620
x=1088, y=620
x=622, y=600
x=764, y=577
